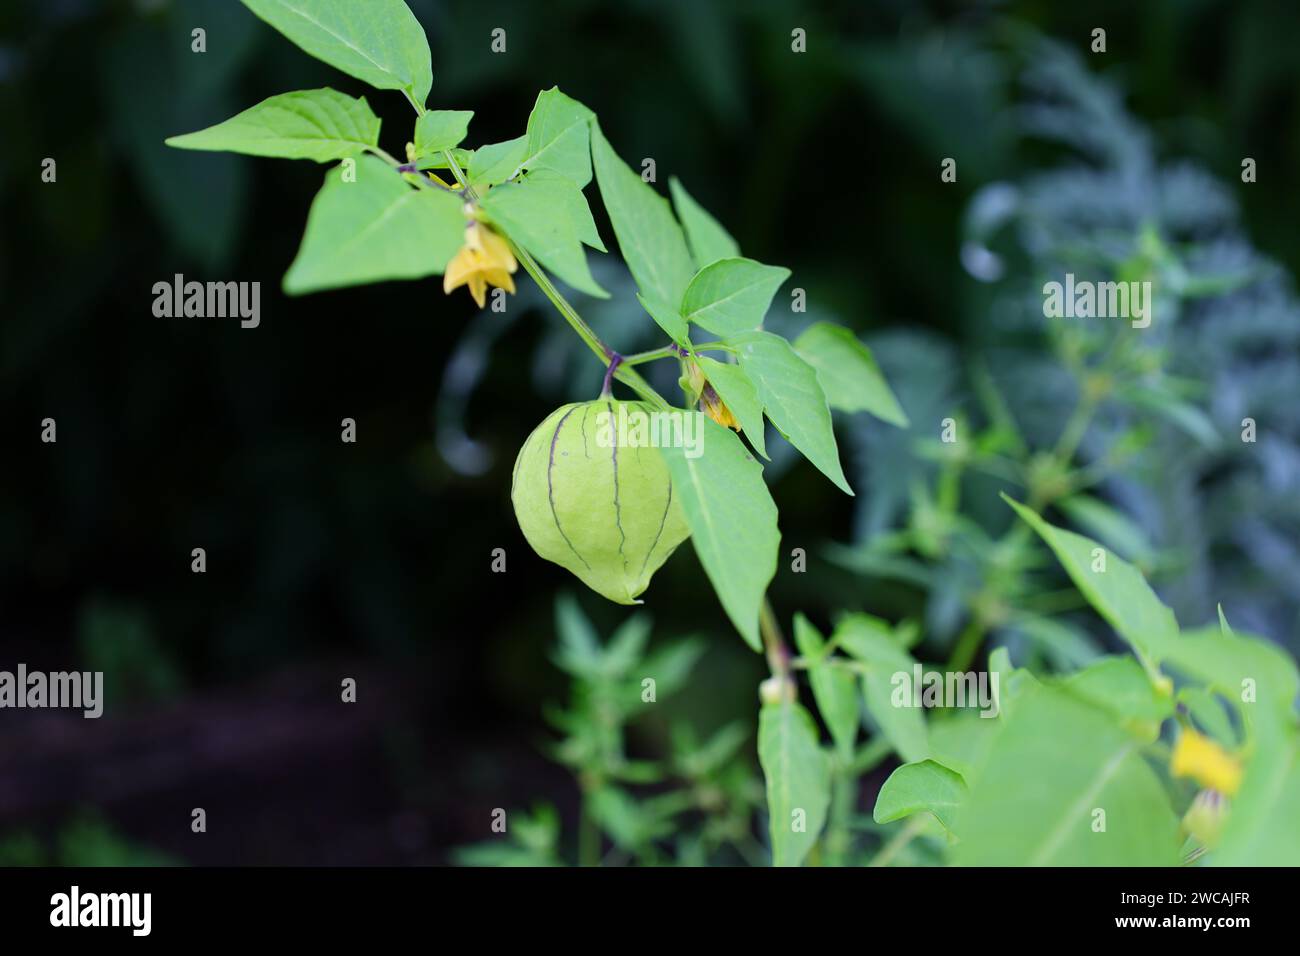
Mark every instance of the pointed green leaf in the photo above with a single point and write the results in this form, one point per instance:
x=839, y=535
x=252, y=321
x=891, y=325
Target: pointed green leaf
x=1111, y=526
x=1263, y=826
x=666, y=317
x=578, y=650
x=848, y=372
x=379, y=41
x=834, y=688
x=1120, y=593
x=323, y=125
x=534, y=213
x=1013, y=683
x=1055, y=764
x=1230, y=663
x=558, y=137
x=496, y=162
x=798, y=776
x=961, y=741
x=649, y=237
x=437, y=130
x=579, y=212
x=731, y=295
x=902, y=723
x=709, y=242
x=793, y=398
x=737, y=391
x=1182, y=415
x=923, y=787
x=374, y=229
x=1121, y=686
x=732, y=519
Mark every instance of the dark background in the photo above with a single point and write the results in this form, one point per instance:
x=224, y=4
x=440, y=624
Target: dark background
x=328, y=560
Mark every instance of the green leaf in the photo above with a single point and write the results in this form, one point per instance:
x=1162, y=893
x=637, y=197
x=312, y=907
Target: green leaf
x=1120, y=686
x=666, y=317
x=533, y=212
x=962, y=741
x=671, y=666
x=1066, y=646
x=630, y=823
x=731, y=295
x=558, y=137
x=1111, y=526
x=323, y=125
x=627, y=645
x=793, y=398
x=1013, y=682
x=1182, y=415
x=1052, y=766
x=1229, y=663
x=575, y=204
x=378, y=41
x=709, y=242
x=834, y=688
x=578, y=652
x=798, y=775
x=870, y=642
x=924, y=787
x=737, y=391
x=463, y=158
x=732, y=519
x=1120, y=593
x=1208, y=715
x=698, y=761
x=1263, y=827
x=496, y=162
x=848, y=372
x=437, y=130
x=374, y=229
x=648, y=236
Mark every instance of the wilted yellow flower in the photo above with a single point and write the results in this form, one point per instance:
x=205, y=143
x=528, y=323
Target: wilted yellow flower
x=697, y=386
x=713, y=406
x=1205, y=762
x=692, y=380
x=484, y=260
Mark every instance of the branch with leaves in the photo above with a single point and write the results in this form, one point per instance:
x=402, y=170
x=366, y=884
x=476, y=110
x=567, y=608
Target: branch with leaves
x=612, y=512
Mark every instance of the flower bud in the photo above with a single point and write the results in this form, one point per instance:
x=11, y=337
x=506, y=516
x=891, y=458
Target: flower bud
x=777, y=690
x=1205, y=817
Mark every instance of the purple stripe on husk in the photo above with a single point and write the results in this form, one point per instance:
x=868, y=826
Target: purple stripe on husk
x=618, y=518
x=550, y=489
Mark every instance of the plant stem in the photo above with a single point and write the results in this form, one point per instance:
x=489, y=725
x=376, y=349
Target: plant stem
x=614, y=362
x=778, y=654
x=628, y=376
x=967, y=646
x=384, y=155
x=844, y=796
x=419, y=110
x=871, y=756
x=1075, y=428
x=588, y=835
x=899, y=841
x=638, y=358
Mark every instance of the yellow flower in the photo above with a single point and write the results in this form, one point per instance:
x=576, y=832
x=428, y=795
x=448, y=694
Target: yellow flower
x=1205, y=762
x=484, y=260
x=696, y=386
x=717, y=409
